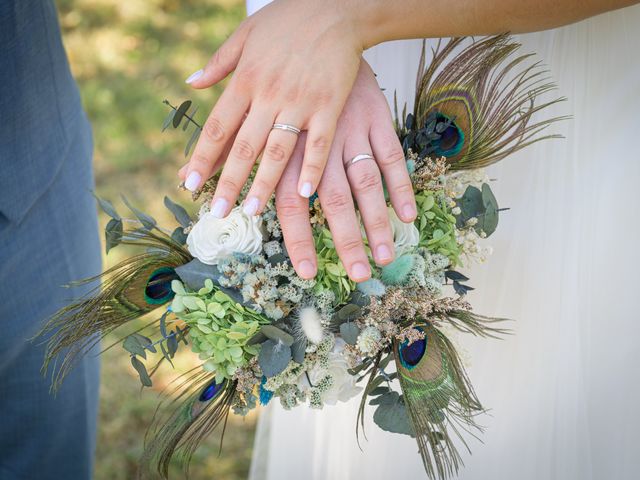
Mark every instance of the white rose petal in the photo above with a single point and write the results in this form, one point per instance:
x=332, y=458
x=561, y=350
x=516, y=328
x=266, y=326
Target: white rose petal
x=211, y=239
x=405, y=235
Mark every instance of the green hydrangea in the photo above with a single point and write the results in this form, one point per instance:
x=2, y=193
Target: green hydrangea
x=331, y=273
x=219, y=327
x=437, y=225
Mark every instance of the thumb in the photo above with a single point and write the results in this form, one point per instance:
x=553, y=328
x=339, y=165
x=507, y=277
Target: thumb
x=222, y=63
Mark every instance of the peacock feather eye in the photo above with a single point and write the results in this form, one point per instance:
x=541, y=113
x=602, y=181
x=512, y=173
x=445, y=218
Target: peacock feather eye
x=411, y=354
x=158, y=288
x=451, y=137
x=210, y=391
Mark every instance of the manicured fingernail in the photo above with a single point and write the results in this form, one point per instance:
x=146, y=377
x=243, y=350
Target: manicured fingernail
x=193, y=181
x=219, y=208
x=383, y=253
x=251, y=206
x=305, y=190
x=306, y=269
x=194, y=76
x=409, y=211
x=360, y=271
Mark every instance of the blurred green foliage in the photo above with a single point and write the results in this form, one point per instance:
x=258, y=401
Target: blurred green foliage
x=127, y=57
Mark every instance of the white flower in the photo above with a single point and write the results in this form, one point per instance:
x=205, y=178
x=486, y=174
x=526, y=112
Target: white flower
x=343, y=386
x=405, y=235
x=211, y=239
x=368, y=340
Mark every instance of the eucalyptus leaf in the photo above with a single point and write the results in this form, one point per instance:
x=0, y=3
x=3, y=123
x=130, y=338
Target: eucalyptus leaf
x=274, y=357
x=113, y=233
x=298, y=350
x=391, y=415
x=194, y=273
x=145, y=379
x=132, y=345
x=453, y=275
x=145, y=342
x=147, y=221
x=179, y=236
x=258, y=338
x=274, y=333
x=349, y=312
x=172, y=345
x=192, y=140
x=180, y=111
x=107, y=207
x=180, y=214
x=166, y=354
x=168, y=120
x=349, y=332
x=192, y=114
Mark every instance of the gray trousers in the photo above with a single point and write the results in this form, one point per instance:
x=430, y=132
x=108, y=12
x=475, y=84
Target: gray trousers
x=44, y=437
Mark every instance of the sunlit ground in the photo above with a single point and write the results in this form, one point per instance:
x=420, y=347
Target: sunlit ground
x=127, y=57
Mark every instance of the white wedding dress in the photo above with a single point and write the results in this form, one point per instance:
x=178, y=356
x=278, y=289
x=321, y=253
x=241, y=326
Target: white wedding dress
x=564, y=390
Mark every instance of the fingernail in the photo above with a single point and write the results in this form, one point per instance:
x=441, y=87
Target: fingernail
x=409, y=211
x=219, y=208
x=305, y=190
x=306, y=269
x=193, y=181
x=251, y=206
x=194, y=76
x=383, y=253
x=360, y=271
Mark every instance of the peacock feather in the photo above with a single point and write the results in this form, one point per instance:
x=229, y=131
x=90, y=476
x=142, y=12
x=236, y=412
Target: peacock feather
x=130, y=289
x=194, y=409
x=439, y=398
x=474, y=106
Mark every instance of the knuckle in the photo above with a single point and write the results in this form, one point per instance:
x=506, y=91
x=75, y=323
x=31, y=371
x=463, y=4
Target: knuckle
x=243, y=150
x=335, y=201
x=298, y=245
x=349, y=245
x=378, y=223
x=289, y=204
x=368, y=181
x=275, y=152
x=404, y=188
x=228, y=184
x=392, y=157
x=198, y=159
x=214, y=130
x=319, y=142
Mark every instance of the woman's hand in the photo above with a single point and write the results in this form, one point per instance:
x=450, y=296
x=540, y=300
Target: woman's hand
x=294, y=63
x=365, y=127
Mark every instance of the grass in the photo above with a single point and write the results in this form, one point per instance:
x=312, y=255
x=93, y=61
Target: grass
x=128, y=56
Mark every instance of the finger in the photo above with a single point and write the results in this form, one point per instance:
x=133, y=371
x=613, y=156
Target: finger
x=244, y=152
x=222, y=62
x=293, y=213
x=390, y=158
x=366, y=185
x=182, y=173
x=223, y=122
x=277, y=152
x=339, y=210
x=319, y=139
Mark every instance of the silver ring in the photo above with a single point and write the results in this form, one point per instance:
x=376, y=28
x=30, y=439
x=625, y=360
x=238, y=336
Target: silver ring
x=361, y=156
x=288, y=128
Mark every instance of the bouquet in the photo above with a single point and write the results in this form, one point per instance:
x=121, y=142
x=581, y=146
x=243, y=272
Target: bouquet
x=225, y=288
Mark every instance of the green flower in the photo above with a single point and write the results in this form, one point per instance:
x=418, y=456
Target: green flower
x=220, y=328
x=437, y=225
x=331, y=273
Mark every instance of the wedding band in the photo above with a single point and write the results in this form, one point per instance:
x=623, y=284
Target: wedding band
x=288, y=128
x=361, y=156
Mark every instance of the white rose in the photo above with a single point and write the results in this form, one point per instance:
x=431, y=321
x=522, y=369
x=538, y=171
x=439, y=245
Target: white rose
x=211, y=239
x=405, y=235
x=344, y=384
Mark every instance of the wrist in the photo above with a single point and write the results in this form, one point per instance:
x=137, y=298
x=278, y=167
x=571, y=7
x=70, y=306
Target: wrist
x=370, y=20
